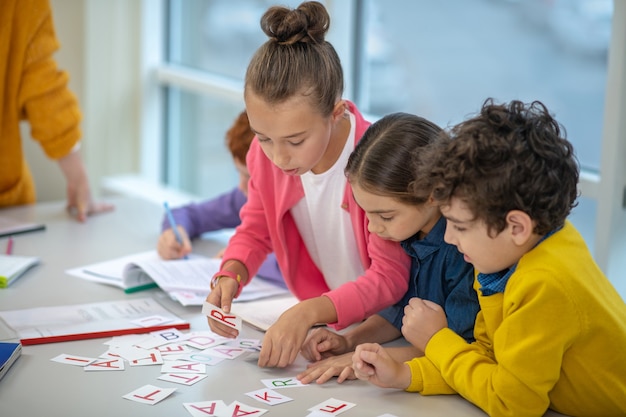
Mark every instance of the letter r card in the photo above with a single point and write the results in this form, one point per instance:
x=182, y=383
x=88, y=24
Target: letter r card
x=219, y=315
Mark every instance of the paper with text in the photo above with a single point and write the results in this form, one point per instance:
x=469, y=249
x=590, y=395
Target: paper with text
x=84, y=321
x=186, y=280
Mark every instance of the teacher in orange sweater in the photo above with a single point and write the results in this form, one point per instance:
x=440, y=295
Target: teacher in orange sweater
x=33, y=88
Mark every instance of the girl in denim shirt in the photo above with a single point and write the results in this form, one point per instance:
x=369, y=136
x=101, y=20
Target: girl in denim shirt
x=380, y=171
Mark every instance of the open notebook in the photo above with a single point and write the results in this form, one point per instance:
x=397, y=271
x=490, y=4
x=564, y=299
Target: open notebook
x=13, y=266
x=186, y=280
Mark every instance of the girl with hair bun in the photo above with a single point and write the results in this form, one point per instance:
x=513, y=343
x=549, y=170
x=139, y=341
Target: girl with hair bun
x=300, y=205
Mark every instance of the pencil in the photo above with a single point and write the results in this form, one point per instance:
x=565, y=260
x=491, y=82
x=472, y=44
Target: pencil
x=170, y=219
x=9, y=250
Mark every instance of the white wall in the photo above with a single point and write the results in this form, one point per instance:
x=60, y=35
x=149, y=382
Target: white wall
x=100, y=51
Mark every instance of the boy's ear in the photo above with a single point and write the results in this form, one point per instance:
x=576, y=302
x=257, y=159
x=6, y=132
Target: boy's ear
x=520, y=226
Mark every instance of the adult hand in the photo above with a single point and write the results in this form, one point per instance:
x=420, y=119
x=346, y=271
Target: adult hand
x=422, y=319
x=79, y=202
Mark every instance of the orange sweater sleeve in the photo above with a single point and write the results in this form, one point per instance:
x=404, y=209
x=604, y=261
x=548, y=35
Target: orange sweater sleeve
x=32, y=88
x=44, y=98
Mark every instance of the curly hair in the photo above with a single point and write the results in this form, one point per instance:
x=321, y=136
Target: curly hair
x=296, y=59
x=509, y=157
x=239, y=137
x=381, y=162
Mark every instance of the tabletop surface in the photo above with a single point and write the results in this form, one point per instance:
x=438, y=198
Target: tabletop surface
x=35, y=385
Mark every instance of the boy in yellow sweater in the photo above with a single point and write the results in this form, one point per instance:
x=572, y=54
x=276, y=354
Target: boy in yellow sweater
x=551, y=332
x=32, y=88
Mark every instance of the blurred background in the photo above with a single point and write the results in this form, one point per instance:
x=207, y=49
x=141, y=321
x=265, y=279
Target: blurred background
x=436, y=59
x=160, y=81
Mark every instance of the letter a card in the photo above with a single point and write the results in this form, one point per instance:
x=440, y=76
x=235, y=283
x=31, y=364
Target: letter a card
x=216, y=408
x=110, y=364
x=236, y=409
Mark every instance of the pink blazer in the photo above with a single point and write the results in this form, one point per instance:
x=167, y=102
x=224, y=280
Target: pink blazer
x=267, y=225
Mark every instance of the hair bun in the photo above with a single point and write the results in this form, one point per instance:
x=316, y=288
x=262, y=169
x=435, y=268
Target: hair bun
x=309, y=22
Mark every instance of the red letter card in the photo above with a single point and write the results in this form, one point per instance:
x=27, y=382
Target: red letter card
x=152, y=357
x=149, y=394
x=214, y=408
x=73, y=360
x=185, y=379
x=113, y=364
x=268, y=396
x=219, y=315
x=237, y=409
x=332, y=406
x=183, y=367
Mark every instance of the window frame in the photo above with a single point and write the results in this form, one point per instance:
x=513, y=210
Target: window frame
x=607, y=188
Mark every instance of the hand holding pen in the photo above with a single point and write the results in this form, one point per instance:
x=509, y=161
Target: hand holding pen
x=174, y=242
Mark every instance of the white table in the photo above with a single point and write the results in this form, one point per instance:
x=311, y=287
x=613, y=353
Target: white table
x=36, y=386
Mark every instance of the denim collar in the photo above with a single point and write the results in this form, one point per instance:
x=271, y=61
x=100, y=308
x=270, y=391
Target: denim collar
x=422, y=248
x=496, y=281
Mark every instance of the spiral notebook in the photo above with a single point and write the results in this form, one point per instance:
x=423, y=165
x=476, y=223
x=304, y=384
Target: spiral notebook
x=9, y=352
x=13, y=266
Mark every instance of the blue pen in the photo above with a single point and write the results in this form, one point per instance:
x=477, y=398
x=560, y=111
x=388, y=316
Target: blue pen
x=172, y=222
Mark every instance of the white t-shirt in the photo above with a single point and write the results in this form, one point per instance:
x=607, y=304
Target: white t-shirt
x=324, y=226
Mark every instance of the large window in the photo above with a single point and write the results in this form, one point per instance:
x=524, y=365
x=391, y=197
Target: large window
x=216, y=38
x=438, y=59
x=442, y=59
